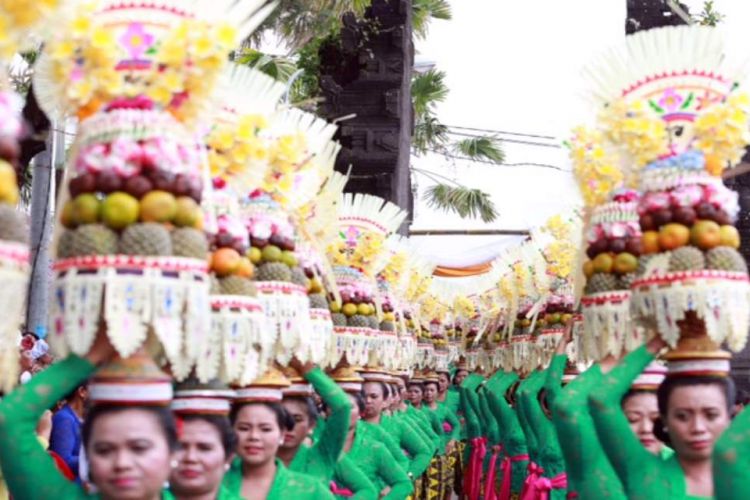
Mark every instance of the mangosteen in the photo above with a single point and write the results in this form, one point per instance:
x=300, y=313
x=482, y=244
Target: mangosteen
x=617, y=245
x=597, y=247
x=108, y=182
x=662, y=217
x=163, y=180
x=181, y=186
x=84, y=183
x=258, y=242
x=288, y=244
x=138, y=186
x=722, y=218
x=705, y=211
x=685, y=216
x=225, y=240
x=634, y=246
x=647, y=222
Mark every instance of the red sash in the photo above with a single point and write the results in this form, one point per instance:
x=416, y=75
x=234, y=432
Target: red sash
x=507, y=468
x=473, y=473
x=541, y=487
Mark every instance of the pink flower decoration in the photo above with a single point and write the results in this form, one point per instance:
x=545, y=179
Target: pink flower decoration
x=671, y=100
x=686, y=196
x=136, y=40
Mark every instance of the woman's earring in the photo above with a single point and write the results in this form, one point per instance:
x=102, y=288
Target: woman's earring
x=226, y=466
x=174, y=464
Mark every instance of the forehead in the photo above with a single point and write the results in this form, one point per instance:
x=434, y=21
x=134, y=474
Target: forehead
x=125, y=425
x=295, y=406
x=198, y=430
x=372, y=387
x=643, y=402
x=697, y=396
x=256, y=413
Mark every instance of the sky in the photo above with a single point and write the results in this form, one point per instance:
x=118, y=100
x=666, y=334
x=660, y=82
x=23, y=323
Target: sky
x=515, y=67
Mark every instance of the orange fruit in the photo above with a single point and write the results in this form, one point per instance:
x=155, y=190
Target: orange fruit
x=225, y=261
x=650, y=241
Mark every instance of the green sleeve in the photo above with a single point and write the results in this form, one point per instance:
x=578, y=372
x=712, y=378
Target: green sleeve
x=455, y=424
x=29, y=471
x=351, y=477
x=379, y=434
x=437, y=427
x=507, y=420
x=472, y=381
x=553, y=383
x=626, y=453
x=414, y=424
x=473, y=399
x=426, y=425
x=393, y=475
x=473, y=429
x=419, y=452
x=731, y=459
x=493, y=431
x=331, y=441
x=523, y=419
x=542, y=426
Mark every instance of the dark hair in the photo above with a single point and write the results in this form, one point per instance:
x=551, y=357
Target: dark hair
x=660, y=431
x=417, y=383
x=359, y=399
x=310, y=408
x=455, y=375
x=285, y=421
x=72, y=393
x=634, y=392
x=726, y=384
x=510, y=394
x=222, y=425
x=383, y=387
x=432, y=382
x=742, y=397
x=162, y=414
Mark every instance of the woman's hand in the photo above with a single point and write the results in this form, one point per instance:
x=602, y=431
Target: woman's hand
x=44, y=426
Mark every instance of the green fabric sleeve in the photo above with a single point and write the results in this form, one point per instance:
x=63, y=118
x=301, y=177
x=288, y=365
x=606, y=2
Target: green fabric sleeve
x=393, y=475
x=452, y=419
x=419, y=452
x=542, y=427
x=426, y=425
x=553, y=383
x=473, y=399
x=731, y=459
x=379, y=434
x=626, y=453
x=523, y=418
x=414, y=424
x=29, y=471
x=437, y=427
x=493, y=431
x=472, y=381
x=473, y=429
x=331, y=441
x=351, y=477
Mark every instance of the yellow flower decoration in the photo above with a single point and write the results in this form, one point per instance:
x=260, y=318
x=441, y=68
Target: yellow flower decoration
x=464, y=307
x=18, y=18
x=634, y=127
x=235, y=147
x=722, y=132
x=595, y=169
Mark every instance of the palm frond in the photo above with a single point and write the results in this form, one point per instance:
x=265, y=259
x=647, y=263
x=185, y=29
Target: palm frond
x=466, y=202
x=423, y=11
x=485, y=148
x=427, y=89
x=277, y=67
x=429, y=134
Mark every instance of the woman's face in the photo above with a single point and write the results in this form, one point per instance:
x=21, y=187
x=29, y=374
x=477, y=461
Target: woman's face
x=696, y=417
x=258, y=434
x=201, y=460
x=298, y=411
x=415, y=394
x=443, y=383
x=641, y=410
x=374, y=401
x=430, y=392
x=395, y=397
x=460, y=376
x=129, y=456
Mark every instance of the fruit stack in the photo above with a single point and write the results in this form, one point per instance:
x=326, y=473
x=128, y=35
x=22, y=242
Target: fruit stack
x=690, y=261
x=614, y=244
x=132, y=254
x=14, y=240
x=320, y=314
x=358, y=255
x=131, y=233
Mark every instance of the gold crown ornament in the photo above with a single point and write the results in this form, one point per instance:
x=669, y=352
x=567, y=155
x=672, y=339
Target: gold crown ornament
x=267, y=388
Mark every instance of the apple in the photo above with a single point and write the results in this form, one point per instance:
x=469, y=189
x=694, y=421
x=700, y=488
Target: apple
x=673, y=235
x=84, y=183
x=634, y=246
x=729, y=236
x=722, y=218
x=108, y=182
x=705, y=211
x=597, y=247
x=705, y=234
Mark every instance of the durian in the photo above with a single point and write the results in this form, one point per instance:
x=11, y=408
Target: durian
x=236, y=285
x=92, y=239
x=686, y=259
x=318, y=301
x=273, y=271
x=602, y=282
x=189, y=242
x=147, y=238
x=725, y=259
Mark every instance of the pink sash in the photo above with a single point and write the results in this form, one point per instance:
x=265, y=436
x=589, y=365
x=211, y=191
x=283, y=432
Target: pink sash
x=507, y=467
x=489, y=484
x=340, y=490
x=473, y=473
x=541, y=487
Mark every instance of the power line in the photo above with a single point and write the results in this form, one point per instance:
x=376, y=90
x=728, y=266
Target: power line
x=512, y=141
x=503, y=132
x=519, y=164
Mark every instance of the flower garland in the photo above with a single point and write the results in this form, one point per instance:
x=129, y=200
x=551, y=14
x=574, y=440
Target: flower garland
x=595, y=169
x=234, y=147
x=722, y=132
x=361, y=250
x=17, y=18
x=635, y=127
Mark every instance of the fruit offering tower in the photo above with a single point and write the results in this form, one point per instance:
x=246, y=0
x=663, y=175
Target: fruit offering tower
x=300, y=158
x=391, y=282
x=131, y=253
x=358, y=254
x=20, y=21
x=675, y=110
x=245, y=101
